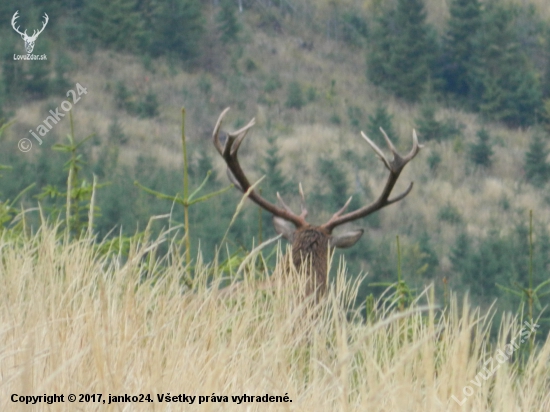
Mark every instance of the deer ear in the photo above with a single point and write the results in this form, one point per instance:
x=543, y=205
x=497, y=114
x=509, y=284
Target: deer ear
x=284, y=227
x=346, y=239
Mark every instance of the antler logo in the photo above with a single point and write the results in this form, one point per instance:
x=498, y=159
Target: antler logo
x=29, y=40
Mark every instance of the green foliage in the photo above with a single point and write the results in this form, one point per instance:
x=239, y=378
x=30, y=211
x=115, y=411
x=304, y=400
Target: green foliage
x=459, y=46
x=80, y=208
x=335, y=119
x=176, y=29
x=37, y=82
x=116, y=133
x=402, y=50
x=537, y=169
x=294, y=98
x=272, y=83
x=354, y=28
x=115, y=24
x=311, y=93
x=134, y=103
x=355, y=115
x=332, y=190
x=13, y=77
x=509, y=89
x=275, y=180
x=381, y=119
x=205, y=85
x=60, y=83
x=429, y=260
x=149, y=106
x=450, y=214
x=480, y=153
x=429, y=128
x=228, y=24
x=434, y=160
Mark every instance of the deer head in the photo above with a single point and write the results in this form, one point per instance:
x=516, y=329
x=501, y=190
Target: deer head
x=29, y=40
x=311, y=245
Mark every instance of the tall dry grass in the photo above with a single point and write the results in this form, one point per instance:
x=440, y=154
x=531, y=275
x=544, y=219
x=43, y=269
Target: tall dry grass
x=75, y=321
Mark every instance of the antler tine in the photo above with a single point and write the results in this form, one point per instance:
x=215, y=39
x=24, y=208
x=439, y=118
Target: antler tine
x=343, y=209
x=377, y=150
x=236, y=175
x=283, y=204
x=234, y=139
x=395, y=167
x=13, y=23
x=415, y=149
x=216, y=131
x=239, y=135
x=303, y=206
x=35, y=32
x=389, y=142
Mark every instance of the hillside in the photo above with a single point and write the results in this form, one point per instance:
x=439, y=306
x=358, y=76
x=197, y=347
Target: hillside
x=281, y=49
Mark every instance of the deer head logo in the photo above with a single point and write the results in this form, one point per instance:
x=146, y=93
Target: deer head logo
x=29, y=40
x=311, y=243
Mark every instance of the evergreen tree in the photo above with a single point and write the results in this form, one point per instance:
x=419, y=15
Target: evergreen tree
x=60, y=83
x=461, y=256
x=429, y=128
x=275, y=180
x=227, y=21
x=481, y=151
x=381, y=119
x=402, y=50
x=176, y=28
x=13, y=77
x=381, y=47
x=116, y=135
x=537, y=169
x=429, y=257
x=37, y=82
x=116, y=24
x=459, y=45
x=508, y=89
x=295, y=97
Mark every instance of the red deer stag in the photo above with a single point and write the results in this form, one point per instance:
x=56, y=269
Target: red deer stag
x=311, y=245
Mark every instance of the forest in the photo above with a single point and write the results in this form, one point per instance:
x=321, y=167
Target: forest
x=472, y=79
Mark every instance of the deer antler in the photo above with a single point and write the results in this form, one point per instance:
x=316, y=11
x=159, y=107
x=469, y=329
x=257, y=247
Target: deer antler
x=395, y=167
x=229, y=153
x=35, y=34
x=13, y=19
x=44, y=23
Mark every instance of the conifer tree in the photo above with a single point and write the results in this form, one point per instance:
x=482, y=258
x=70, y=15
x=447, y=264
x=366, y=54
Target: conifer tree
x=381, y=119
x=227, y=21
x=275, y=180
x=459, y=45
x=508, y=89
x=176, y=28
x=481, y=151
x=116, y=24
x=402, y=50
x=537, y=169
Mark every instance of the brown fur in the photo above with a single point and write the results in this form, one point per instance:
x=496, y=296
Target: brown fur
x=310, y=247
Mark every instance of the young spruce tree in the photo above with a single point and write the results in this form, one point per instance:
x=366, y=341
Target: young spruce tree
x=537, y=169
x=402, y=50
x=481, y=152
x=459, y=45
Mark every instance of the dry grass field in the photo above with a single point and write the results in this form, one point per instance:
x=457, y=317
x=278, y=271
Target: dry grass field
x=76, y=322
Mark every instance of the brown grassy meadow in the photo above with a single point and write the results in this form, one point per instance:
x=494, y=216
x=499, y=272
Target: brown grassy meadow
x=75, y=321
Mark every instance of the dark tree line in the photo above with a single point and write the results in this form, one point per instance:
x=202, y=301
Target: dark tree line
x=491, y=59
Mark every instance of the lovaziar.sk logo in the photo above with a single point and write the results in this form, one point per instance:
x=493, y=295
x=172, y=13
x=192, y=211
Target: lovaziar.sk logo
x=29, y=40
